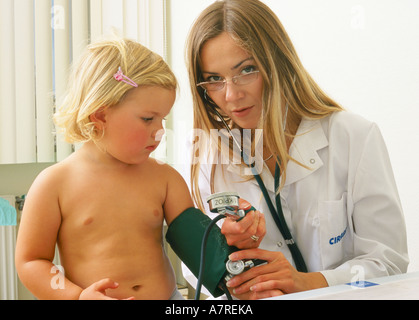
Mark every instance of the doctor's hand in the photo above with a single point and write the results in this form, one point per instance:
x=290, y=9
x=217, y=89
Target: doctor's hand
x=246, y=233
x=275, y=278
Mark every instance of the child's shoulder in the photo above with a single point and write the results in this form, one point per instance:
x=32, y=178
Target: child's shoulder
x=49, y=181
x=55, y=172
x=163, y=171
x=160, y=168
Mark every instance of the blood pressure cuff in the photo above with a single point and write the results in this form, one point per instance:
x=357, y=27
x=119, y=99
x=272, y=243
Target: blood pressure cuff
x=185, y=236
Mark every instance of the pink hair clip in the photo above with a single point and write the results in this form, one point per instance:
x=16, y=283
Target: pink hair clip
x=119, y=76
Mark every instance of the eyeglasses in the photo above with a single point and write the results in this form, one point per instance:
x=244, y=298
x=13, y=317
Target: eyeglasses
x=240, y=80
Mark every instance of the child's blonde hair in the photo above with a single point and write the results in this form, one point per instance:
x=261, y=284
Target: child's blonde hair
x=92, y=84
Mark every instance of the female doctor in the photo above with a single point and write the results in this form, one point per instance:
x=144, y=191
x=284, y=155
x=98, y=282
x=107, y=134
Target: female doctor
x=326, y=169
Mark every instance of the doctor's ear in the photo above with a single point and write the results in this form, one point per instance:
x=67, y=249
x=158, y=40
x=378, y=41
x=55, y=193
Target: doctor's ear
x=99, y=118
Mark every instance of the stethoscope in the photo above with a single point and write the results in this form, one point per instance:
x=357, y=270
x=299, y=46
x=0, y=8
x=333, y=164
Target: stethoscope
x=277, y=214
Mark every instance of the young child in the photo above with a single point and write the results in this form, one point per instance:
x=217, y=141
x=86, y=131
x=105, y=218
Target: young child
x=105, y=204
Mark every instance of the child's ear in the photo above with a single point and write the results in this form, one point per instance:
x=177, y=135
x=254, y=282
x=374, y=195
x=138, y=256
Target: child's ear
x=99, y=118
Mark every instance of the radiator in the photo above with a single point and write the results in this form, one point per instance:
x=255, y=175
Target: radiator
x=8, y=275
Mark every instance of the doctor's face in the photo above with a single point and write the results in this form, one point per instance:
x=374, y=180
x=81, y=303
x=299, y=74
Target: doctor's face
x=241, y=100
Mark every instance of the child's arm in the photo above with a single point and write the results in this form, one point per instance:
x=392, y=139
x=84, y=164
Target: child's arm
x=178, y=198
x=35, y=248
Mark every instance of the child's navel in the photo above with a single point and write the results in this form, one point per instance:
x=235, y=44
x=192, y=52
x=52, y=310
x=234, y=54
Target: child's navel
x=136, y=288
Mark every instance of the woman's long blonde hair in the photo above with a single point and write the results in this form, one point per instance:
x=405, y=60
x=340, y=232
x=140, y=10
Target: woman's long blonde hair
x=92, y=85
x=257, y=30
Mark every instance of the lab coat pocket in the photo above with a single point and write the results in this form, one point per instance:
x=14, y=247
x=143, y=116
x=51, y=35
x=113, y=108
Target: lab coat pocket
x=333, y=231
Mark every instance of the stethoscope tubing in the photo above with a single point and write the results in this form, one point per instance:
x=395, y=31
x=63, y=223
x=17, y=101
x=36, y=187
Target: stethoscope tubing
x=278, y=214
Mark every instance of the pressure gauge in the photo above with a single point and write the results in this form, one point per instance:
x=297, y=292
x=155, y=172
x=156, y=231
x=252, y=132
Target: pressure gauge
x=227, y=204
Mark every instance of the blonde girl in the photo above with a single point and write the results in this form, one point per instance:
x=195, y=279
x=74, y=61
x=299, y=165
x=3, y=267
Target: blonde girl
x=104, y=205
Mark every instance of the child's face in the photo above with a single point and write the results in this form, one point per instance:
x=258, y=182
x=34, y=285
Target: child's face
x=133, y=128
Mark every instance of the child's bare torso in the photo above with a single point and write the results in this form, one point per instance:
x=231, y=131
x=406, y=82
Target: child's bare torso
x=112, y=228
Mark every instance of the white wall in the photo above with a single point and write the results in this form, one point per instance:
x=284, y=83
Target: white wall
x=363, y=53
x=181, y=15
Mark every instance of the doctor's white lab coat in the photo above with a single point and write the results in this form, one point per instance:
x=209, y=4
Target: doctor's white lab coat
x=344, y=212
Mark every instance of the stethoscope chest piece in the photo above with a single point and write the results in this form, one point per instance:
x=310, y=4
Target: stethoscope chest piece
x=234, y=268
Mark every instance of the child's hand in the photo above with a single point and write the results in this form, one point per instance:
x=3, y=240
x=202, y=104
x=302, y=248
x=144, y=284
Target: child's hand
x=97, y=291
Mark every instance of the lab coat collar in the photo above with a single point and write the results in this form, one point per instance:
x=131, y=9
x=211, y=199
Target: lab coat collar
x=309, y=139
